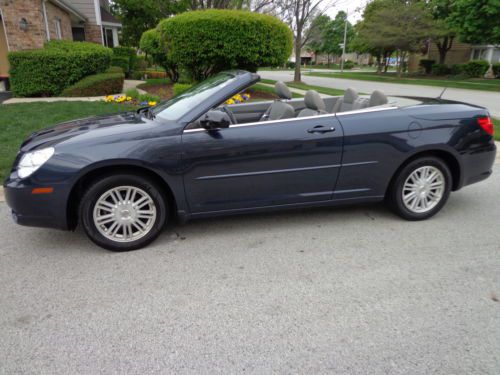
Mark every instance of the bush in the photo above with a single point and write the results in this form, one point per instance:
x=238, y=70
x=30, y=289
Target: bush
x=348, y=64
x=96, y=85
x=126, y=53
x=457, y=69
x=139, y=63
x=496, y=70
x=207, y=42
x=290, y=65
x=427, y=65
x=114, y=69
x=440, y=70
x=179, y=88
x=48, y=71
x=476, y=68
x=122, y=62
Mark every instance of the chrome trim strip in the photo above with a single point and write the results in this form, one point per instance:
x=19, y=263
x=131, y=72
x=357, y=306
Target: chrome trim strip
x=350, y=191
x=266, y=172
x=360, y=163
x=366, y=110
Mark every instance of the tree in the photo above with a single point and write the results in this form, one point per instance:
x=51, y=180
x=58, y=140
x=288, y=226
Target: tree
x=445, y=35
x=137, y=16
x=153, y=44
x=477, y=21
x=400, y=25
x=316, y=42
x=334, y=35
x=299, y=14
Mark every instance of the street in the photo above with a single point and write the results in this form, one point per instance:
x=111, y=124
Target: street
x=488, y=99
x=347, y=290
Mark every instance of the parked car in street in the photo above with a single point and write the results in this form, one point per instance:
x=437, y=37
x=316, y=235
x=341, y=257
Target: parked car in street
x=123, y=177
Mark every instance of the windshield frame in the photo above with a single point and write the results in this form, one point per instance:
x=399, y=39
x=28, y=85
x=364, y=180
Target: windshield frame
x=243, y=80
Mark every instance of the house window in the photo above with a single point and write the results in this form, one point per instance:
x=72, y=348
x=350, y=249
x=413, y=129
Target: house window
x=58, y=28
x=108, y=37
x=78, y=34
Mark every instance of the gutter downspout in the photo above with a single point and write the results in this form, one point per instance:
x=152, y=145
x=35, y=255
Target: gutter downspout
x=44, y=9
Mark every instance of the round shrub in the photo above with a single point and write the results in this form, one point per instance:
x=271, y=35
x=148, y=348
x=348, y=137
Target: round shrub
x=496, y=70
x=208, y=41
x=476, y=68
x=48, y=71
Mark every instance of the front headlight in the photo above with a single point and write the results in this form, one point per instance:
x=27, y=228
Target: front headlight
x=31, y=161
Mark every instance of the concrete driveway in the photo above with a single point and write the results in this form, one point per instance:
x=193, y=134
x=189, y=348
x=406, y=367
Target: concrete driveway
x=490, y=100
x=349, y=291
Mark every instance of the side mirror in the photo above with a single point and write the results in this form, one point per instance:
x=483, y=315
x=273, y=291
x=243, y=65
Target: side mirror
x=215, y=119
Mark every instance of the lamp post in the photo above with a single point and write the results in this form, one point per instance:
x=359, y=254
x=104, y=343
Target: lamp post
x=343, y=44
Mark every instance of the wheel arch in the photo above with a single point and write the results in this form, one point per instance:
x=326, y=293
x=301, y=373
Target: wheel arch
x=447, y=156
x=97, y=172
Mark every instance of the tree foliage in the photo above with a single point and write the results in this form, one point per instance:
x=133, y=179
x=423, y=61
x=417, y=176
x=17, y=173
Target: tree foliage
x=477, y=21
x=153, y=44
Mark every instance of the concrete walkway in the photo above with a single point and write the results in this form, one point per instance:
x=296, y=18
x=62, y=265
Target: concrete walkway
x=490, y=100
x=128, y=84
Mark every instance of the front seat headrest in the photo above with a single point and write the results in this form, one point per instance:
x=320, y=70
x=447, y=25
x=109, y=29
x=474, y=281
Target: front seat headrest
x=282, y=90
x=350, y=96
x=314, y=101
x=378, y=98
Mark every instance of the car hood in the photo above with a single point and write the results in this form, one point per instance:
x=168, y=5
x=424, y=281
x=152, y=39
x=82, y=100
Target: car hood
x=66, y=130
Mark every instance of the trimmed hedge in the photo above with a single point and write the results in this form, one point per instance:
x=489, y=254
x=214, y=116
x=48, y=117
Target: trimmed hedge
x=96, y=85
x=114, y=69
x=208, y=41
x=179, y=88
x=48, y=71
x=475, y=68
x=123, y=54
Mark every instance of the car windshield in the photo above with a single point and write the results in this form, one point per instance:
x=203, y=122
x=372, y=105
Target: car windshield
x=180, y=105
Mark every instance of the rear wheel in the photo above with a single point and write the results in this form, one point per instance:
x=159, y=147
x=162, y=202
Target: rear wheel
x=421, y=188
x=123, y=212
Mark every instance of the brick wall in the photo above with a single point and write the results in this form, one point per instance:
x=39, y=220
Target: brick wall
x=458, y=54
x=54, y=13
x=93, y=33
x=13, y=11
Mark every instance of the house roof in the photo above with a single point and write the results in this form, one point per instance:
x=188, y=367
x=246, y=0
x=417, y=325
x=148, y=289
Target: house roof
x=107, y=17
x=68, y=8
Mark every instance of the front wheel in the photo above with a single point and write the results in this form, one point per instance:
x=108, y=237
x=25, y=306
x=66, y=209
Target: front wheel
x=123, y=212
x=420, y=189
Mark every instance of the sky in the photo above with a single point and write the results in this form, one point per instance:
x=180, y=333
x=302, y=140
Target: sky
x=355, y=8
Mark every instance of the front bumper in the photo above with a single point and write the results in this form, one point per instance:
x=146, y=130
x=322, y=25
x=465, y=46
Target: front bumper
x=37, y=210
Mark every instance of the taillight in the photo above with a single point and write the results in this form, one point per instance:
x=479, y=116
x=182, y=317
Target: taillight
x=486, y=124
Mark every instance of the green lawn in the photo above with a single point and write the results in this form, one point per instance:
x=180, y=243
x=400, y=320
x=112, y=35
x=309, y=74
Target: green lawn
x=496, y=124
x=18, y=121
x=471, y=83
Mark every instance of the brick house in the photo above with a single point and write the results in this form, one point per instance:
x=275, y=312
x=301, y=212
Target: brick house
x=28, y=24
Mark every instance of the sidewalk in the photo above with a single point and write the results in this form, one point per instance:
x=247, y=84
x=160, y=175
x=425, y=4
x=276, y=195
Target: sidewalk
x=128, y=84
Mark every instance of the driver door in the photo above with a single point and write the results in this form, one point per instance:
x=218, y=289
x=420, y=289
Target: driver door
x=262, y=164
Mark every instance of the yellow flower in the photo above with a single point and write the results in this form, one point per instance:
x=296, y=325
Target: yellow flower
x=151, y=104
x=129, y=98
x=230, y=101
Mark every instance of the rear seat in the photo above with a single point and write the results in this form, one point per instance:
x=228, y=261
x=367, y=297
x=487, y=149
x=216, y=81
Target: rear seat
x=376, y=98
x=346, y=103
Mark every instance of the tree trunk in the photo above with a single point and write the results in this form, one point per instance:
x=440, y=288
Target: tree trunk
x=298, y=42
x=444, y=47
x=379, y=64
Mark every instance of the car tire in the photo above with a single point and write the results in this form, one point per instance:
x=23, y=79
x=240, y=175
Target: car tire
x=131, y=205
x=420, y=189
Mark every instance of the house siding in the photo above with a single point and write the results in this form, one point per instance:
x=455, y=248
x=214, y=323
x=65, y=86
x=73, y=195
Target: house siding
x=458, y=54
x=87, y=8
x=53, y=14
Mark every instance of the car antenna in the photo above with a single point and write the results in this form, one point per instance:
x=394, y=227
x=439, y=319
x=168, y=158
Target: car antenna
x=442, y=92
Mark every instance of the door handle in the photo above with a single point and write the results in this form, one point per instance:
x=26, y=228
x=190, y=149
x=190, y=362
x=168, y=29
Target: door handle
x=321, y=129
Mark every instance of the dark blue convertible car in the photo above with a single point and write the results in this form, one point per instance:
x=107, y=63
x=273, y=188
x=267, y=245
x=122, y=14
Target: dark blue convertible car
x=123, y=177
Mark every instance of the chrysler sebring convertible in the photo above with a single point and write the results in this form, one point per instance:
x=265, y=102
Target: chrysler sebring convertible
x=124, y=177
